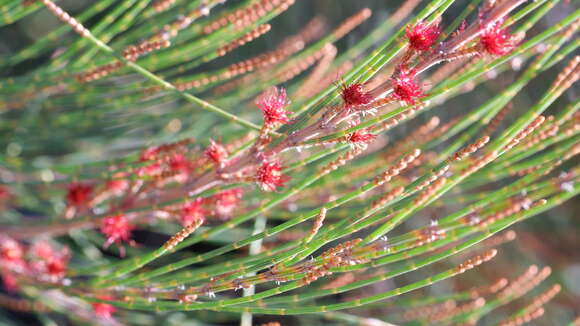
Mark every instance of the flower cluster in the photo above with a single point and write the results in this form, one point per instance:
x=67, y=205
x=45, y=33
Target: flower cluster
x=405, y=86
x=104, y=310
x=79, y=195
x=354, y=95
x=216, y=153
x=40, y=261
x=495, y=40
x=422, y=36
x=192, y=211
x=117, y=229
x=272, y=104
x=269, y=176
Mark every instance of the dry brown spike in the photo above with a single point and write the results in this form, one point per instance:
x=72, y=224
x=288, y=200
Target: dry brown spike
x=524, y=319
x=318, y=72
x=162, y=5
x=568, y=76
x=461, y=309
x=389, y=196
x=248, y=37
x=248, y=15
x=488, y=289
x=497, y=119
x=479, y=163
x=524, y=133
x=340, y=281
x=317, y=224
x=420, y=135
x=66, y=18
x=351, y=23
x=472, y=148
x=133, y=52
x=340, y=161
x=396, y=169
x=423, y=196
x=296, y=67
x=428, y=310
x=181, y=235
x=476, y=261
x=99, y=72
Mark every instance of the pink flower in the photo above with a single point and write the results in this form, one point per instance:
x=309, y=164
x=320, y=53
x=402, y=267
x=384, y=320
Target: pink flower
x=79, y=195
x=9, y=280
x=117, y=186
x=149, y=154
x=149, y=170
x=49, y=263
x=192, y=211
x=355, y=95
x=227, y=201
x=117, y=229
x=359, y=137
x=216, y=153
x=269, y=176
x=422, y=36
x=495, y=40
x=104, y=310
x=405, y=88
x=10, y=250
x=179, y=163
x=4, y=193
x=272, y=104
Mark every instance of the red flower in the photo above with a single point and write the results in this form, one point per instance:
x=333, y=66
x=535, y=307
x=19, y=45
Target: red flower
x=149, y=170
x=10, y=250
x=117, y=229
x=4, y=193
x=269, y=176
x=79, y=195
x=272, y=104
x=9, y=281
x=179, y=163
x=227, y=201
x=216, y=152
x=117, y=186
x=355, y=95
x=422, y=36
x=104, y=310
x=358, y=137
x=495, y=40
x=149, y=154
x=51, y=264
x=192, y=211
x=405, y=88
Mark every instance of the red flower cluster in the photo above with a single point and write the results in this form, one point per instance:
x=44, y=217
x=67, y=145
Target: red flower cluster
x=117, y=229
x=192, y=211
x=216, y=153
x=405, y=88
x=104, y=310
x=269, y=176
x=149, y=154
x=227, y=201
x=4, y=193
x=355, y=95
x=496, y=40
x=51, y=264
x=422, y=36
x=359, y=137
x=272, y=104
x=79, y=195
x=42, y=262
